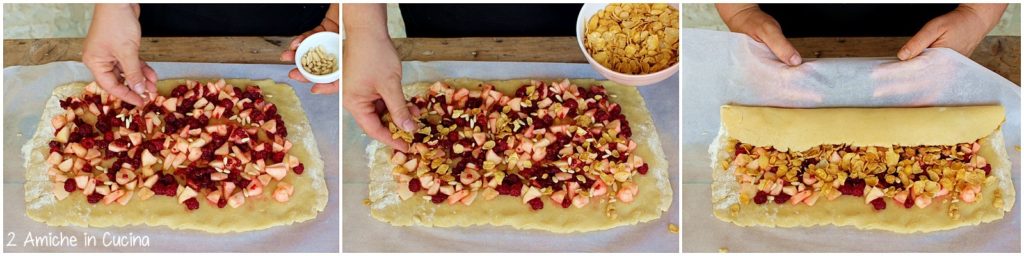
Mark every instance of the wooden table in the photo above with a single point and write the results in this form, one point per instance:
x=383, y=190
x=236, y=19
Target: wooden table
x=1001, y=54
x=261, y=50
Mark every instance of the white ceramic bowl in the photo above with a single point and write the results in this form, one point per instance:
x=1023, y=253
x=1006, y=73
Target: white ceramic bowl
x=627, y=79
x=330, y=41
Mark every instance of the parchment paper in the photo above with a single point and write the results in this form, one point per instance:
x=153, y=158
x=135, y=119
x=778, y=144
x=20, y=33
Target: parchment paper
x=720, y=68
x=26, y=89
x=362, y=233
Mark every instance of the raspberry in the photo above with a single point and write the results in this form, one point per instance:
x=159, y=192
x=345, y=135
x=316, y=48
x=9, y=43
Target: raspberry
x=257, y=155
x=626, y=131
x=521, y=92
x=179, y=91
x=222, y=202
x=298, y=169
x=853, y=187
x=55, y=146
x=69, y=185
x=256, y=115
x=282, y=130
x=88, y=143
x=909, y=202
x=878, y=203
x=536, y=204
x=94, y=198
x=192, y=203
x=643, y=169
x=461, y=122
x=572, y=105
x=566, y=202
x=615, y=110
x=600, y=116
x=472, y=103
x=278, y=157
x=65, y=103
x=438, y=198
x=782, y=198
x=414, y=185
x=988, y=169
x=761, y=197
x=271, y=110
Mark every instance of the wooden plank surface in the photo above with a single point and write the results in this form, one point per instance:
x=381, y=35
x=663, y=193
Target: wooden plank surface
x=1001, y=54
x=264, y=50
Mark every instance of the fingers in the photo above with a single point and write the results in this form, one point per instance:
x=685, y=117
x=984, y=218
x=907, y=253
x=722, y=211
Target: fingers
x=772, y=37
x=317, y=88
x=288, y=55
x=108, y=81
x=391, y=92
x=298, y=39
x=297, y=76
x=151, y=78
x=330, y=88
x=916, y=45
x=131, y=65
x=368, y=120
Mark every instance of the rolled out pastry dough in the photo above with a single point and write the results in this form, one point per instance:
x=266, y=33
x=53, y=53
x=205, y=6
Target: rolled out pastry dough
x=654, y=197
x=310, y=196
x=800, y=129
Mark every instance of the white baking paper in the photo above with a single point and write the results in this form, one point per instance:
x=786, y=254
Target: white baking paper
x=362, y=233
x=26, y=89
x=727, y=68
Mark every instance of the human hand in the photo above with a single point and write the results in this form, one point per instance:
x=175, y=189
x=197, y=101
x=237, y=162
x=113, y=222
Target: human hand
x=373, y=74
x=111, y=50
x=330, y=23
x=961, y=30
x=749, y=19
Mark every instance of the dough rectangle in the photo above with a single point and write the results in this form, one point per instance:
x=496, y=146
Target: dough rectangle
x=310, y=196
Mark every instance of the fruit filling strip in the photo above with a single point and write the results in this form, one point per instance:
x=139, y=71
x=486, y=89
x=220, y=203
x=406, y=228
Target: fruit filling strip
x=212, y=142
x=557, y=143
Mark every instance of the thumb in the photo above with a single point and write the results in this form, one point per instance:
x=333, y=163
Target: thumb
x=922, y=40
x=131, y=65
x=370, y=122
x=780, y=46
x=394, y=99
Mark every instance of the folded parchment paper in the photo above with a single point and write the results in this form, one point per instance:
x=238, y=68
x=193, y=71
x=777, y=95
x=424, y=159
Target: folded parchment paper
x=26, y=89
x=727, y=68
x=362, y=233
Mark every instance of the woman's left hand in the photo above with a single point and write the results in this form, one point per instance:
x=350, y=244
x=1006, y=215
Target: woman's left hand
x=961, y=30
x=330, y=23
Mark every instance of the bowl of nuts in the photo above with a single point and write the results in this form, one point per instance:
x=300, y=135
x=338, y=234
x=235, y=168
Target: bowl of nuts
x=317, y=57
x=633, y=44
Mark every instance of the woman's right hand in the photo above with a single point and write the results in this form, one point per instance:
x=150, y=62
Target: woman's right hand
x=111, y=52
x=749, y=19
x=372, y=73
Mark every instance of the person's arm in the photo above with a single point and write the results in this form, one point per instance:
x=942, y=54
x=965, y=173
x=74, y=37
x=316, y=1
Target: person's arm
x=372, y=73
x=111, y=49
x=330, y=23
x=749, y=19
x=961, y=30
